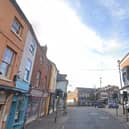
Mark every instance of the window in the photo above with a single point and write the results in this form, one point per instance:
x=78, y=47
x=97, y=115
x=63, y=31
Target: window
x=5, y=66
x=37, y=79
x=32, y=48
x=128, y=73
x=16, y=27
x=27, y=70
x=124, y=76
x=41, y=60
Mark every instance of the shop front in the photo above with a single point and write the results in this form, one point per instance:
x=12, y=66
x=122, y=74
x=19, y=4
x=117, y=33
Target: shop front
x=5, y=97
x=36, y=105
x=16, y=117
x=52, y=103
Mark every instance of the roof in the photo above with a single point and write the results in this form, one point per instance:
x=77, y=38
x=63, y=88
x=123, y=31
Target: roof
x=19, y=10
x=61, y=77
x=124, y=57
x=81, y=89
x=15, y=4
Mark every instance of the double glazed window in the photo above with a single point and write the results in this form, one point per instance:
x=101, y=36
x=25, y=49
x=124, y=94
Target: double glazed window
x=16, y=27
x=27, y=70
x=5, y=66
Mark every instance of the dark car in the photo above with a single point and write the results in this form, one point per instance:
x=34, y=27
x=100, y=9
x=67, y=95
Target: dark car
x=100, y=105
x=113, y=105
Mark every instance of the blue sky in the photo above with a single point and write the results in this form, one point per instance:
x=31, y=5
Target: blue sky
x=85, y=38
x=108, y=18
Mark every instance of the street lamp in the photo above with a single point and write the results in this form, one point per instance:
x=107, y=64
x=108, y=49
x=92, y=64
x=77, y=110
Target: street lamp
x=100, y=82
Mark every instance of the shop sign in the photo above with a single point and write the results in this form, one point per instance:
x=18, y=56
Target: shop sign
x=37, y=93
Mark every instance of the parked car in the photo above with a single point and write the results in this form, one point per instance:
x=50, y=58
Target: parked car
x=100, y=105
x=113, y=105
x=127, y=106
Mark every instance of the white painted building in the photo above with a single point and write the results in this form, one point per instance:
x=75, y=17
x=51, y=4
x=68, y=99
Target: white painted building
x=28, y=57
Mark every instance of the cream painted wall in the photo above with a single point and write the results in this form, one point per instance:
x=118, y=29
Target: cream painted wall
x=52, y=84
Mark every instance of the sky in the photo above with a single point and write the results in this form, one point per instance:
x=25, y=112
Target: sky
x=85, y=38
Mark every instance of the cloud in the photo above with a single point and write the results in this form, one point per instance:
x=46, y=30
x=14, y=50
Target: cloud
x=69, y=41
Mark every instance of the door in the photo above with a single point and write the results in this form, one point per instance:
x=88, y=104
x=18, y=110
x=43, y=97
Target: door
x=10, y=120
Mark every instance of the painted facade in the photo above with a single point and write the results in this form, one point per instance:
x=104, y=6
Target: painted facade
x=61, y=86
x=51, y=104
x=13, y=30
x=124, y=66
x=124, y=71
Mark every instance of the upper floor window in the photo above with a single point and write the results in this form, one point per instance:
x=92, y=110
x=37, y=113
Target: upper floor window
x=27, y=70
x=41, y=60
x=124, y=76
x=32, y=48
x=17, y=27
x=6, y=64
x=38, y=76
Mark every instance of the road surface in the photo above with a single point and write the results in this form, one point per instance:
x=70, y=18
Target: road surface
x=91, y=118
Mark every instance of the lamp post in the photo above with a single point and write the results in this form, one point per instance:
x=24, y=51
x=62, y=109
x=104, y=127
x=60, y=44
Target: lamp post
x=100, y=82
x=118, y=61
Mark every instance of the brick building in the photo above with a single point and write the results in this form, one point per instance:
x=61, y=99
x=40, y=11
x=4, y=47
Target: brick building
x=39, y=85
x=13, y=30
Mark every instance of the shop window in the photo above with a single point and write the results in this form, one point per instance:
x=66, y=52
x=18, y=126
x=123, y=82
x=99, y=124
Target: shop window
x=7, y=60
x=17, y=27
x=33, y=106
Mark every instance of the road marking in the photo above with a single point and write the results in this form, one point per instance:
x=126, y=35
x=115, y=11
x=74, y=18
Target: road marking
x=94, y=113
x=104, y=117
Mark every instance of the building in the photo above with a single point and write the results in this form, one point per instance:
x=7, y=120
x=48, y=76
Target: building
x=72, y=98
x=13, y=31
x=124, y=67
x=39, y=85
x=51, y=100
x=106, y=93
x=85, y=96
x=61, y=90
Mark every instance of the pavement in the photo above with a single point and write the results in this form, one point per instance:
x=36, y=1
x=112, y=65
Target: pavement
x=118, y=114
x=48, y=122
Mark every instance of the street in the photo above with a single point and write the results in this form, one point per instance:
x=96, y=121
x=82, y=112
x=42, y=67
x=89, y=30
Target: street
x=91, y=118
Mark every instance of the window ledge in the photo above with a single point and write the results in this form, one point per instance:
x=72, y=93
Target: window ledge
x=5, y=79
x=25, y=80
x=18, y=36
